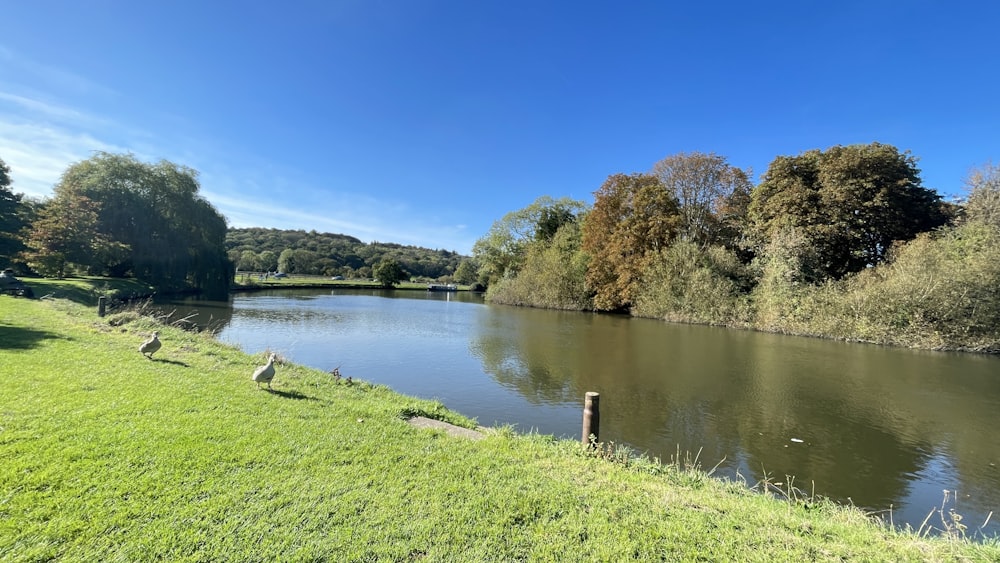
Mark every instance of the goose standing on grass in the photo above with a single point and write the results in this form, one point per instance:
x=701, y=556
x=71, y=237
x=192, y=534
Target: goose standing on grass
x=152, y=345
x=265, y=373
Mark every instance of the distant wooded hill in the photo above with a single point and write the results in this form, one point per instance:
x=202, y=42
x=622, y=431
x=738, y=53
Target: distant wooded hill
x=302, y=252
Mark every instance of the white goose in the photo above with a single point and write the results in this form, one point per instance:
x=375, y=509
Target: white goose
x=152, y=345
x=265, y=373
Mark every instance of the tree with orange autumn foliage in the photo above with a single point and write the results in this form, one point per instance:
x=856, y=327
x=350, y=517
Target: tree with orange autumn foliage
x=634, y=217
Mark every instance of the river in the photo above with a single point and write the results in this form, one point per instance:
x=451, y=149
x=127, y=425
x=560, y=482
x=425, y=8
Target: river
x=900, y=432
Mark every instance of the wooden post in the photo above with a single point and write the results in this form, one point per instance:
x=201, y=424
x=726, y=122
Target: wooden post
x=100, y=306
x=591, y=419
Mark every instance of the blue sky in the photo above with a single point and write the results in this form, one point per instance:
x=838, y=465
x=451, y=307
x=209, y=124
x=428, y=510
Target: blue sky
x=424, y=121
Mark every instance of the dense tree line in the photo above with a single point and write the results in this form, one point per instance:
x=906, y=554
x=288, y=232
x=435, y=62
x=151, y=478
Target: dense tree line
x=115, y=216
x=301, y=252
x=843, y=243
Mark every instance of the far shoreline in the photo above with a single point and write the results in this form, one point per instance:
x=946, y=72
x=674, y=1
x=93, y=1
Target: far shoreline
x=332, y=284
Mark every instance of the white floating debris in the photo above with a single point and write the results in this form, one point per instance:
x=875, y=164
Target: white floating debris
x=796, y=440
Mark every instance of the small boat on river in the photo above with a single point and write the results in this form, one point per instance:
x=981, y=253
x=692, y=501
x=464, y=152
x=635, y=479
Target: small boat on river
x=442, y=287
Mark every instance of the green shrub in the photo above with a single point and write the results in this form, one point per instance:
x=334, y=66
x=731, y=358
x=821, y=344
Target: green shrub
x=691, y=284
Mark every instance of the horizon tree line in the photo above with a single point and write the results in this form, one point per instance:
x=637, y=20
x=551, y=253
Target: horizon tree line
x=844, y=242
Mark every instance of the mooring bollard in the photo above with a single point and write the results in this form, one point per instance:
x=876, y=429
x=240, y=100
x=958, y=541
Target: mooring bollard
x=591, y=418
x=100, y=306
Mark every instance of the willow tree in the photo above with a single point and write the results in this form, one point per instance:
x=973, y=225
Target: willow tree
x=553, y=275
x=634, y=217
x=502, y=251
x=175, y=238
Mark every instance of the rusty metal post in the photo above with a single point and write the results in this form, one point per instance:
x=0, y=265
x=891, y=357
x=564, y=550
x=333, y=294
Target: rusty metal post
x=591, y=418
x=100, y=306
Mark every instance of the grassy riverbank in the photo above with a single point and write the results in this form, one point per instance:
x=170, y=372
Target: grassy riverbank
x=111, y=456
x=87, y=289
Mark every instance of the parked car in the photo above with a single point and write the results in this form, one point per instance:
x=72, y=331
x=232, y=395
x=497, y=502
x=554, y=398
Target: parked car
x=280, y=275
x=10, y=285
x=338, y=278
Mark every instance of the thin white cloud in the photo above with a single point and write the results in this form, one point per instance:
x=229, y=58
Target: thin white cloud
x=46, y=109
x=40, y=138
x=365, y=220
x=38, y=153
x=262, y=195
x=53, y=78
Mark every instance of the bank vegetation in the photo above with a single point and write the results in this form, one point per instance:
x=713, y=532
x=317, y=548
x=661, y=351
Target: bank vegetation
x=844, y=243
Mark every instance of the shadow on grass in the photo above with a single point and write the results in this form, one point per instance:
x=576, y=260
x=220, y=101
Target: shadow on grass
x=166, y=361
x=291, y=395
x=79, y=295
x=17, y=338
x=87, y=290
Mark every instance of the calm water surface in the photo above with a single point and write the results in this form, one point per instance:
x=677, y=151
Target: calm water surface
x=883, y=428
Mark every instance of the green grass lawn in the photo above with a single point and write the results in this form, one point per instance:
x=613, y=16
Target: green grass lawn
x=87, y=290
x=106, y=455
